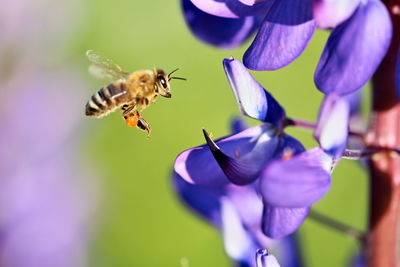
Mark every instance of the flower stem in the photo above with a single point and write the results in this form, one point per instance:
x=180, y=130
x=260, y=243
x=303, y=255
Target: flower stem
x=312, y=125
x=300, y=123
x=384, y=131
x=357, y=154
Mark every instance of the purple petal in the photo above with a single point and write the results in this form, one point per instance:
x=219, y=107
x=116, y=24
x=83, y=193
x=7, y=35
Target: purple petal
x=248, y=204
x=330, y=13
x=263, y=259
x=284, y=34
x=333, y=125
x=245, y=168
x=354, y=49
x=204, y=200
x=280, y=222
x=233, y=8
x=221, y=32
x=238, y=242
x=299, y=181
x=253, y=100
x=198, y=165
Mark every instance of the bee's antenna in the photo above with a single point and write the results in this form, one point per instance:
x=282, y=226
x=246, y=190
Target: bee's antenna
x=169, y=75
x=177, y=78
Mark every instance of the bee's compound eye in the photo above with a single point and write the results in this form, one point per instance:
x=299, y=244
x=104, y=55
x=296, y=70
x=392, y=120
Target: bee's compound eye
x=162, y=81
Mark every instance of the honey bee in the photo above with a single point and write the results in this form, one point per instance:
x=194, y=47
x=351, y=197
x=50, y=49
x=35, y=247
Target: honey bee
x=130, y=92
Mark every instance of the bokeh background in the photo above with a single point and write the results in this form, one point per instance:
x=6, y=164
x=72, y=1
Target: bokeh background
x=96, y=193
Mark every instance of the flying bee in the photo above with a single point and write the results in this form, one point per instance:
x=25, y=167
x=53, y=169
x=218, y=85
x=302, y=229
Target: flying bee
x=130, y=92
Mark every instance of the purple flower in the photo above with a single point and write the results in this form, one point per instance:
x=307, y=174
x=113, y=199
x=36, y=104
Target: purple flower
x=237, y=213
x=355, y=49
x=264, y=157
x=359, y=40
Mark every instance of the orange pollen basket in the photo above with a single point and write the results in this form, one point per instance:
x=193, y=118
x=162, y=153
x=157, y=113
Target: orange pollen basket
x=131, y=121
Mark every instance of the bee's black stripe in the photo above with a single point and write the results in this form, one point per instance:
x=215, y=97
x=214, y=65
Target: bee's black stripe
x=91, y=109
x=105, y=95
x=95, y=99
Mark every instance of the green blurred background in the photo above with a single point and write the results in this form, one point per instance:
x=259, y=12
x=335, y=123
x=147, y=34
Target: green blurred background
x=139, y=221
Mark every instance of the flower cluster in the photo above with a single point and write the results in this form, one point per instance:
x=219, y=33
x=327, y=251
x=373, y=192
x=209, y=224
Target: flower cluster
x=285, y=179
x=262, y=170
x=360, y=37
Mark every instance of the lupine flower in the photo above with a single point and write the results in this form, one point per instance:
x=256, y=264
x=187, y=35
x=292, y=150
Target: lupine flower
x=359, y=40
x=237, y=212
x=289, y=178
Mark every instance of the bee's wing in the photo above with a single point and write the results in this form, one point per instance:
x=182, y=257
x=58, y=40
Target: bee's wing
x=102, y=67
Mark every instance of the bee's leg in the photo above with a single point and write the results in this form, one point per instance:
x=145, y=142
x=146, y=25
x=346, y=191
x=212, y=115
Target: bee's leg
x=127, y=109
x=143, y=125
x=134, y=119
x=130, y=116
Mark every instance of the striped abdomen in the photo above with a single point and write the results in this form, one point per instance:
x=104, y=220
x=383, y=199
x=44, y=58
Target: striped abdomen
x=107, y=99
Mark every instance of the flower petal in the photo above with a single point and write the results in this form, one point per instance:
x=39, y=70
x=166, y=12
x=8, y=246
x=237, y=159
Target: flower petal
x=248, y=205
x=204, y=200
x=237, y=241
x=245, y=168
x=253, y=100
x=220, y=32
x=233, y=8
x=284, y=34
x=354, y=49
x=297, y=182
x=198, y=165
x=263, y=259
x=280, y=222
x=330, y=13
x=333, y=125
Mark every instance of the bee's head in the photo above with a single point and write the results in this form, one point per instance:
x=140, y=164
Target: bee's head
x=162, y=82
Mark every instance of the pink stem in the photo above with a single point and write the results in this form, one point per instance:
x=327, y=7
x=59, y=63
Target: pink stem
x=312, y=125
x=384, y=131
